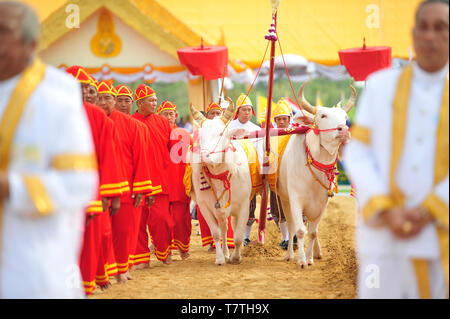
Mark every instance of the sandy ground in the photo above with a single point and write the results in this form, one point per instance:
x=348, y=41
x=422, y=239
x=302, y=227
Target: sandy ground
x=263, y=273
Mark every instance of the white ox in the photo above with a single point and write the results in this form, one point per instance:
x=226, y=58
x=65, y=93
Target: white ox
x=301, y=194
x=218, y=154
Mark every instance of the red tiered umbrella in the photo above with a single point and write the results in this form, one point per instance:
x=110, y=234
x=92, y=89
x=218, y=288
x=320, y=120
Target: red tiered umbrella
x=208, y=61
x=361, y=62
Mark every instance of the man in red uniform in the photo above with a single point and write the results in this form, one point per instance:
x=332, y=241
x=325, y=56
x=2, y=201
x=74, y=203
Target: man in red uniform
x=159, y=221
x=124, y=103
x=180, y=139
x=134, y=162
x=112, y=182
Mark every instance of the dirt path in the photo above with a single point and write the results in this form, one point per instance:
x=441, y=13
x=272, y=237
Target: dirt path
x=262, y=274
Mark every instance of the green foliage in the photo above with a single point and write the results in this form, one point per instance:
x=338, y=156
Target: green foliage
x=176, y=92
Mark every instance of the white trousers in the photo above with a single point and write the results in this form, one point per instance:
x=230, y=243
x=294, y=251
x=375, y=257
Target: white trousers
x=385, y=276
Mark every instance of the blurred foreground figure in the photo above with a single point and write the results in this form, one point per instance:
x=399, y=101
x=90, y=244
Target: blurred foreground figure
x=47, y=167
x=398, y=161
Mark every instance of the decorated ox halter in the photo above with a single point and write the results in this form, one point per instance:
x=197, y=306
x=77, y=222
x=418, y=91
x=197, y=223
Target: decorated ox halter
x=328, y=169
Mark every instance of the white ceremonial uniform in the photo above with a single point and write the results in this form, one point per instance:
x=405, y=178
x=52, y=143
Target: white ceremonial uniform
x=386, y=270
x=248, y=126
x=50, y=163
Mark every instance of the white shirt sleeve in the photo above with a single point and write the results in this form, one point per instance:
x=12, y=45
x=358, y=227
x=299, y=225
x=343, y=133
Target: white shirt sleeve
x=55, y=125
x=359, y=158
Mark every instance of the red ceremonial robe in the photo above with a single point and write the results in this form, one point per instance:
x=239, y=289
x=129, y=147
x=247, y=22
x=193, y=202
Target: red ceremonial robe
x=180, y=140
x=142, y=255
x=112, y=183
x=134, y=162
x=159, y=221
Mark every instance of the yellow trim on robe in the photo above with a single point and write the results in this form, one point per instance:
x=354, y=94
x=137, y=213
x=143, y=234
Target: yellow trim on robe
x=116, y=185
x=136, y=184
x=143, y=188
x=423, y=277
x=187, y=179
x=375, y=204
x=26, y=85
x=441, y=161
x=76, y=162
x=440, y=172
x=400, y=112
x=155, y=190
x=38, y=194
x=141, y=255
x=437, y=208
x=360, y=133
x=117, y=192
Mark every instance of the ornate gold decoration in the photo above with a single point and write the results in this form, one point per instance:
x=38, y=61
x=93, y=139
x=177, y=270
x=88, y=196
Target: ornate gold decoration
x=106, y=43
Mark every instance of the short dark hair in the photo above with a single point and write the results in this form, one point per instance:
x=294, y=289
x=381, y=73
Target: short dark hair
x=424, y=3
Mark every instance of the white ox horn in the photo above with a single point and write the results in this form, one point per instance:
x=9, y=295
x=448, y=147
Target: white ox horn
x=196, y=115
x=229, y=112
x=351, y=101
x=303, y=103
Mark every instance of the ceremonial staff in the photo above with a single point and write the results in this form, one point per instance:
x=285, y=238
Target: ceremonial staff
x=272, y=37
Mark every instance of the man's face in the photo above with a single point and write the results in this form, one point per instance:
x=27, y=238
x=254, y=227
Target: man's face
x=148, y=105
x=92, y=94
x=107, y=102
x=430, y=35
x=245, y=114
x=213, y=113
x=85, y=91
x=14, y=54
x=171, y=115
x=124, y=104
x=282, y=121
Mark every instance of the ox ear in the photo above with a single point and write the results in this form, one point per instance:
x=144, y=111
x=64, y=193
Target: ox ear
x=304, y=118
x=313, y=143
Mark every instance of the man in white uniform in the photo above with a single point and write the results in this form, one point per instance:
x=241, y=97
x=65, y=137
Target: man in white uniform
x=47, y=167
x=398, y=162
x=242, y=125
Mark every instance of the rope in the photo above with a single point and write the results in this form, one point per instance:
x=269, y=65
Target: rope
x=248, y=92
x=289, y=78
x=225, y=178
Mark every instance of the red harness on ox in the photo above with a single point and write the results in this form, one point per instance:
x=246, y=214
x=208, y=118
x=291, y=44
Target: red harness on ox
x=225, y=178
x=328, y=169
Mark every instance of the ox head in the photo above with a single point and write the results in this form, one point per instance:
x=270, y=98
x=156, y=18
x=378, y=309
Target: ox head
x=214, y=136
x=331, y=121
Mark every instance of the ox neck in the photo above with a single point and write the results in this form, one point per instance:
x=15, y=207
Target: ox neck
x=323, y=155
x=328, y=155
x=216, y=169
